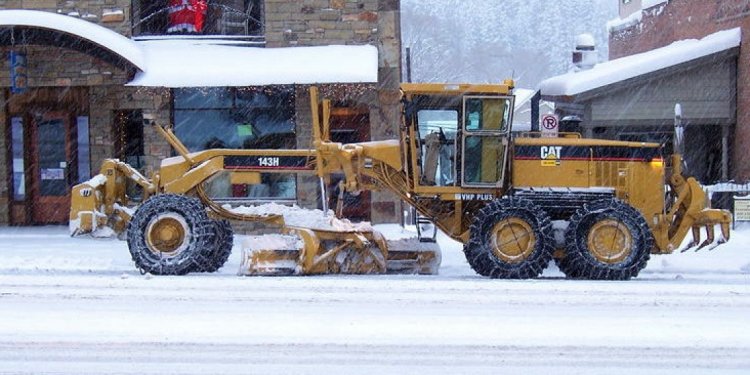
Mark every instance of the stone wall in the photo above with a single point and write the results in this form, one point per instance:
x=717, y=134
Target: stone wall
x=688, y=19
x=105, y=100
x=386, y=115
x=112, y=14
x=59, y=67
x=288, y=23
x=308, y=187
x=323, y=22
x=320, y=22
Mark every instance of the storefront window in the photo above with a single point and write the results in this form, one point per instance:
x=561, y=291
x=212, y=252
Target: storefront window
x=240, y=118
x=84, y=162
x=19, y=185
x=199, y=17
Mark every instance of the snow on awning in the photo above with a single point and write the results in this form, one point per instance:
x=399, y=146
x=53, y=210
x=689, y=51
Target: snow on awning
x=621, y=69
x=102, y=37
x=206, y=63
x=522, y=96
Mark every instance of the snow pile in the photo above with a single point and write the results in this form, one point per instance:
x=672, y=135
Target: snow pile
x=740, y=190
x=618, y=24
x=272, y=242
x=212, y=63
x=51, y=249
x=730, y=258
x=96, y=181
x=295, y=216
x=618, y=70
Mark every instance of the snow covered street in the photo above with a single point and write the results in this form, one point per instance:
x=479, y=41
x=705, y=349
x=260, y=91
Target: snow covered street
x=76, y=305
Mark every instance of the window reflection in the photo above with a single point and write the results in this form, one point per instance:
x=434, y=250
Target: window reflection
x=486, y=123
x=437, y=133
x=19, y=177
x=197, y=17
x=239, y=118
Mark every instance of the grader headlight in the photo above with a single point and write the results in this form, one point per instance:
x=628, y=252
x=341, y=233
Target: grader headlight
x=657, y=164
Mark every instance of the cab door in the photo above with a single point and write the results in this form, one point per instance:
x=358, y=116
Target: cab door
x=486, y=128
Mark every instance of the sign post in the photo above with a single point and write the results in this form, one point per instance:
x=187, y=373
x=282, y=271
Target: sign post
x=550, y=125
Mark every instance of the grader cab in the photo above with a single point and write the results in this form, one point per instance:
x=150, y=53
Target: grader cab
x=457, y=163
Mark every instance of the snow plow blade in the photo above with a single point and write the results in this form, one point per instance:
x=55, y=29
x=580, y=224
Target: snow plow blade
x=305, y=251
x=102, y=202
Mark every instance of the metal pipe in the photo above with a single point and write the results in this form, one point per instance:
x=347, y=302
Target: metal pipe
x=324, y=196
x=408, y=64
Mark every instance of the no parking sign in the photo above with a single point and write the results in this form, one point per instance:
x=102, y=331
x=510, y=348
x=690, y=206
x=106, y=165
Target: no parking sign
x=550, y=125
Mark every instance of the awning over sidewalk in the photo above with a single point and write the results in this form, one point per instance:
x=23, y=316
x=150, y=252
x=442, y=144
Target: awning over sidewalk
x=182, y=61
x=213, y=63
x=46, y=28
x=622, y=69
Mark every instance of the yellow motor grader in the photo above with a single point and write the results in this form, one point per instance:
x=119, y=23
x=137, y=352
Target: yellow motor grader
x=457, y=164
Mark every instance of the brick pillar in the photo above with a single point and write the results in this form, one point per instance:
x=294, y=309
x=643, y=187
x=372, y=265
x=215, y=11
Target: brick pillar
x=739, y=165
x=308, y=186
x=384, y=120
x=101, y=134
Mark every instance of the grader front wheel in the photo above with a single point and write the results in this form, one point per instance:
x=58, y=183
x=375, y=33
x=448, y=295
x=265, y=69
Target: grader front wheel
x=510, y=239
x=170, y=235
x=222, y=248
x=606, y=240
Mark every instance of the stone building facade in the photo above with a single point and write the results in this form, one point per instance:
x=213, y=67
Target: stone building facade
x=667, y=22
x=85, y=91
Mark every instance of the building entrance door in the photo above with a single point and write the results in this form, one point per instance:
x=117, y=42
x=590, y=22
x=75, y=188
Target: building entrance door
x=53, y=167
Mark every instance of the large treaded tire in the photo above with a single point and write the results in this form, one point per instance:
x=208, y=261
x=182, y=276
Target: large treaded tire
x=580, y=262
x=189, y=254
x=482, y=254
x=222, y=248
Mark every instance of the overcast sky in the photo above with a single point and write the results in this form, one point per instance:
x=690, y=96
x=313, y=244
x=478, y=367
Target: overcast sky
x=491, y=40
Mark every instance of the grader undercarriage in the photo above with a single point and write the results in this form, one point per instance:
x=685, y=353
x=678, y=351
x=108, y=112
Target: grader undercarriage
x=456, y=163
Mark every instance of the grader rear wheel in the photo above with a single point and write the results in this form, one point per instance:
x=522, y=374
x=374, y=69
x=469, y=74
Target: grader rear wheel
x=170, y=235
x=510, y=239
x=606, y=240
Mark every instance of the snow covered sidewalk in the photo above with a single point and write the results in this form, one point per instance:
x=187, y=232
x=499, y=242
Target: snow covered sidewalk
x=50, y=249
x=77, y=305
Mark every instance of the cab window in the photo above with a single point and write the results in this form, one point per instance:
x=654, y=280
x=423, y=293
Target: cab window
x=486, y=126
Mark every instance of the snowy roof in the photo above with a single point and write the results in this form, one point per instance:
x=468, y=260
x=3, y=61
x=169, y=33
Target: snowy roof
x=101, y=36
x=618, y=70
x=522, y=96
x=212, y=63
x=205, y=62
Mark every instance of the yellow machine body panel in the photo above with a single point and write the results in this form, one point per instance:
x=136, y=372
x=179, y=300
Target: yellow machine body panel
x=633, y=170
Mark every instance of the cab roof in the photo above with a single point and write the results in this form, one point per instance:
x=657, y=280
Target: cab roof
x=505, y=88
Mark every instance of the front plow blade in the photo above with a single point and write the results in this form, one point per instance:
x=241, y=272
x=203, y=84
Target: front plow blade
x=270, y=255
x=411, y=256
x=307, y=251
